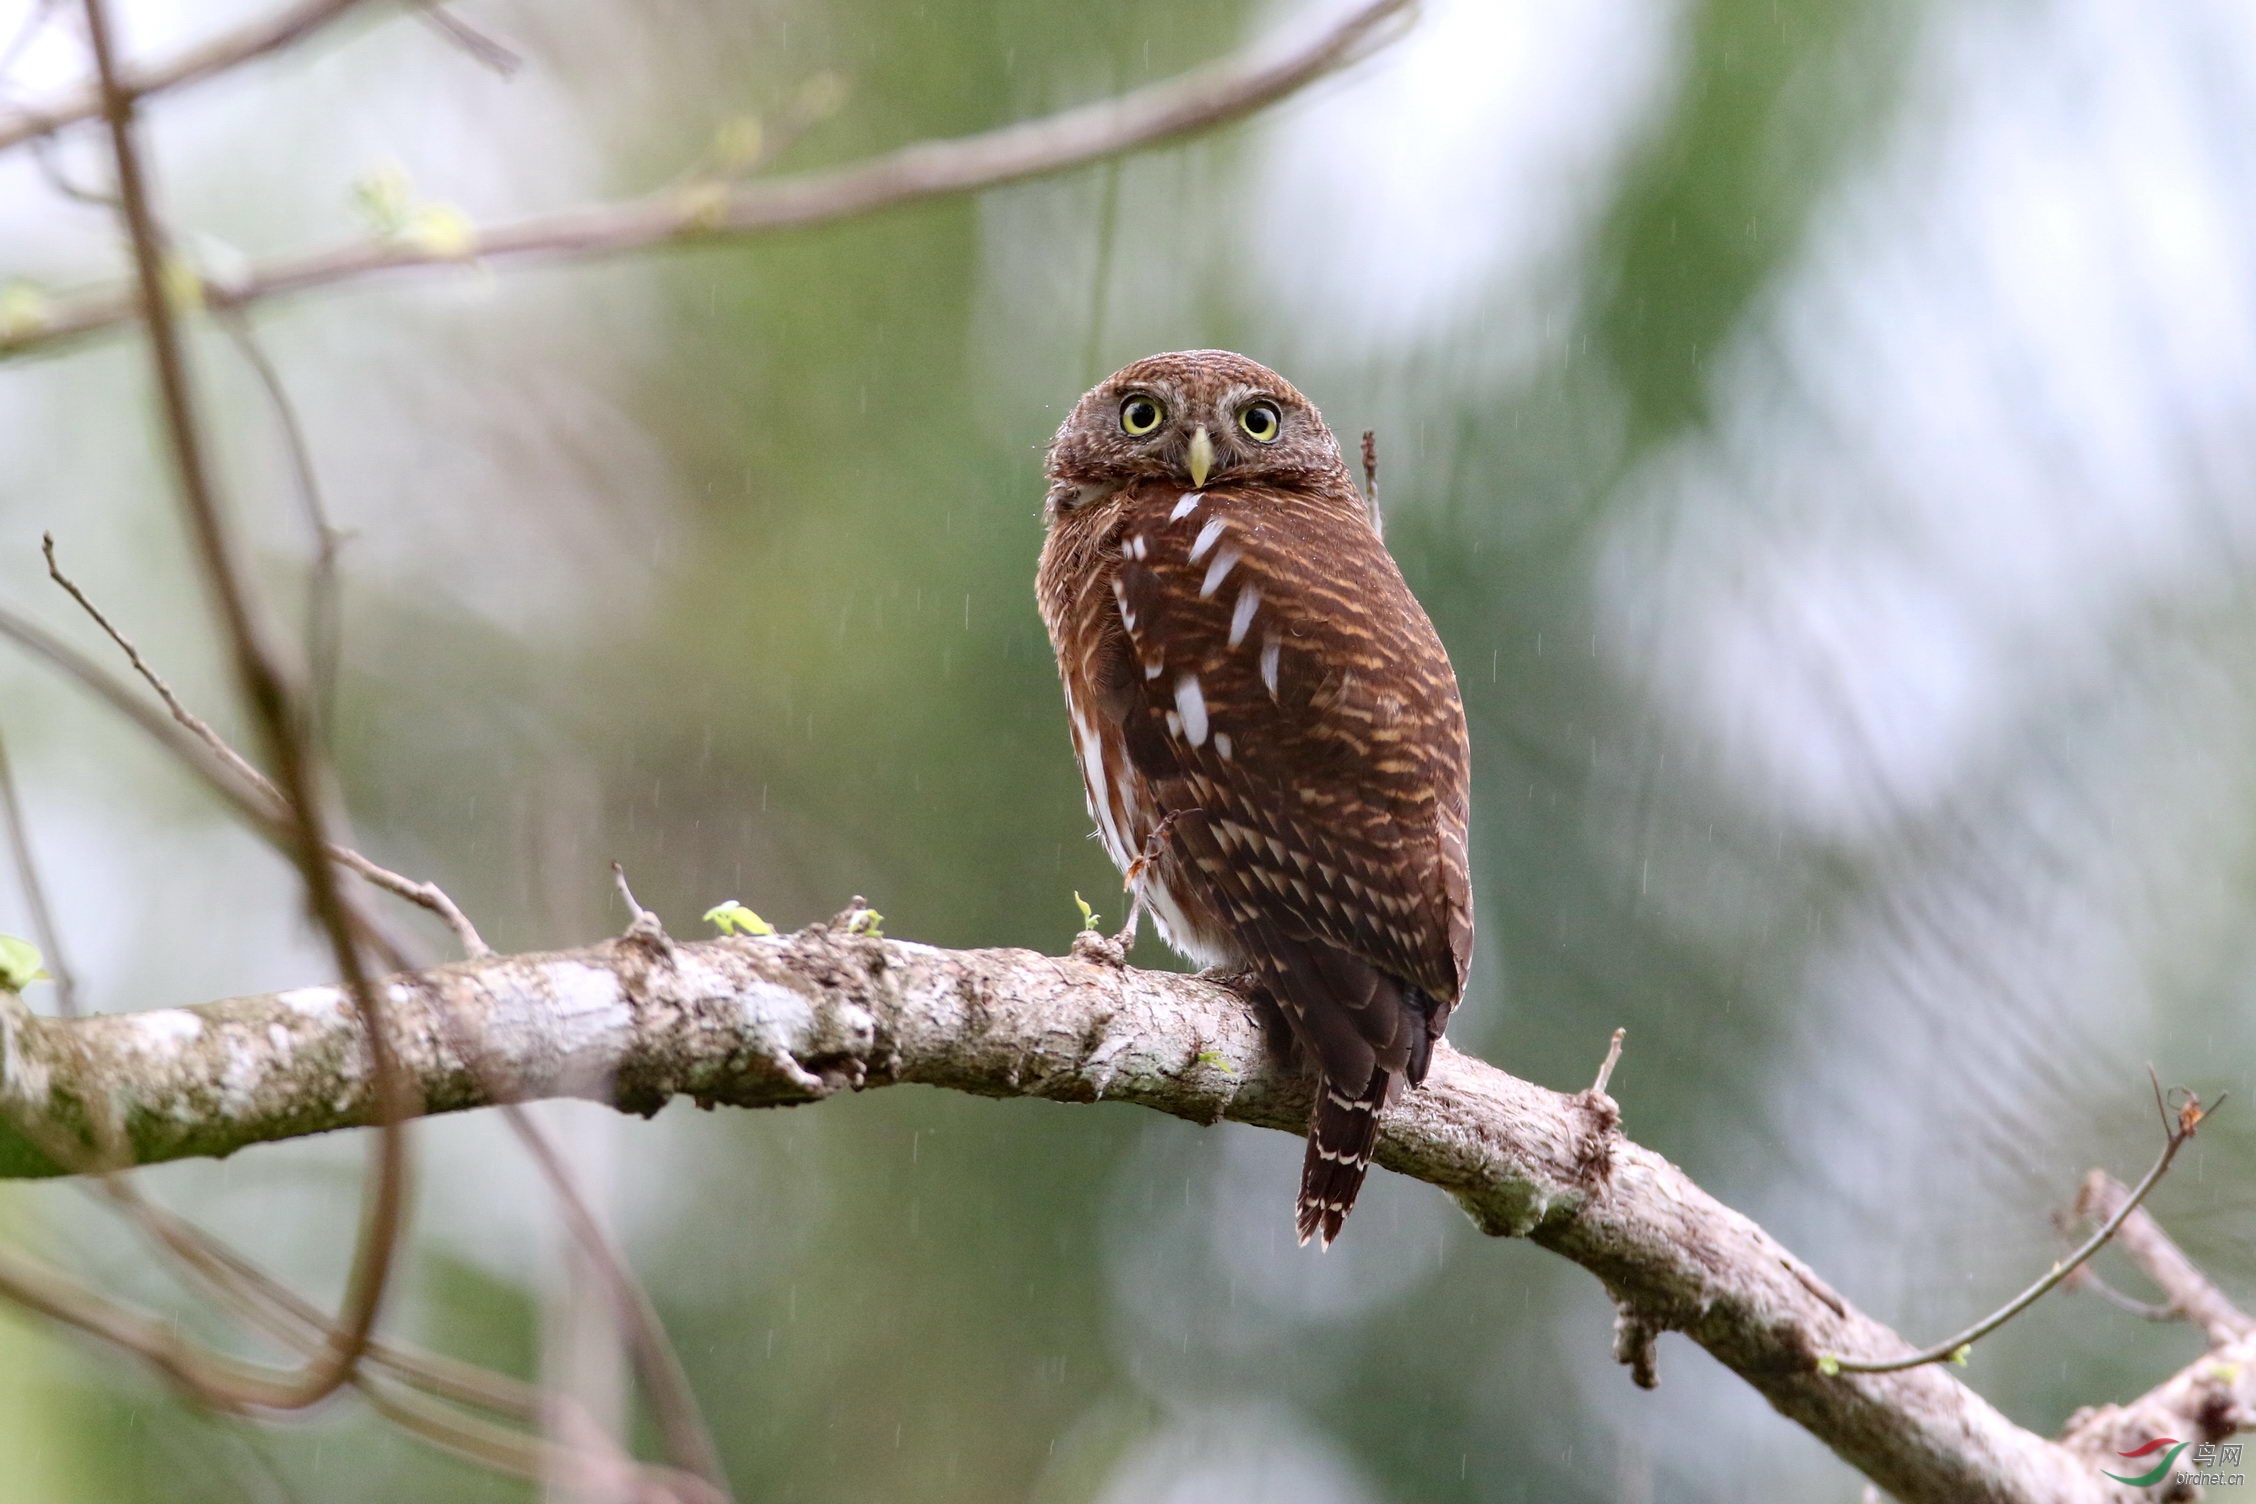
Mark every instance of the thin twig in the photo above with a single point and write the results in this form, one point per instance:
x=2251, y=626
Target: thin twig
x=673, y=1403
x=636, y=913
x=1197, y=101
x=671, y=1399
x=46, y=154
x=2083, y=1278
x=324, y=606
x=43, y=925
x=265, y=1304
x=2189, y=1118
x=275, y=707
x=482, y=46
x=249, y=802
x=423, y=894
x=529, y=1457
x=254, y=39
x=1606, y=1066
x=643, y=925
x=2190, y=1293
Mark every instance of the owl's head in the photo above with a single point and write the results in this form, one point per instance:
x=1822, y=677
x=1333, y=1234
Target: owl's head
x=1193, y=418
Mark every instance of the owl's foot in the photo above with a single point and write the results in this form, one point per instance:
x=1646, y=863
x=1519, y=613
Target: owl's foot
x=1125, y=941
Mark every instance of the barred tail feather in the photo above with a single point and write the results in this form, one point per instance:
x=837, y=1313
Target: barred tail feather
x=1342, y=1131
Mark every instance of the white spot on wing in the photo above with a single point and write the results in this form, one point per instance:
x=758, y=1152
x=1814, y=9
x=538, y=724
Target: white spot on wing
x=1091, y=747
x=1206, y=538
x=1269, y=650
x=1222, y=744
x=1249, y=601
x=1218, y=571
x=1190, y=700
x=1174, y=724
x=1120, y=599
x=1186, y=506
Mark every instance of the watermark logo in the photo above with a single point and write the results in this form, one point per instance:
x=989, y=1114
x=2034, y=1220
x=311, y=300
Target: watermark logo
x=2148, y=1480
x=2205, y=1458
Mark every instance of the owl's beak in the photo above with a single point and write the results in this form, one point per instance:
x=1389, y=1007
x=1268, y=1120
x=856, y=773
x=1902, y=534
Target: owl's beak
x=1201, y=456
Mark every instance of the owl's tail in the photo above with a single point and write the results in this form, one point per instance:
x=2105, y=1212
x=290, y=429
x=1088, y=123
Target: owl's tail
x=1342, y=1131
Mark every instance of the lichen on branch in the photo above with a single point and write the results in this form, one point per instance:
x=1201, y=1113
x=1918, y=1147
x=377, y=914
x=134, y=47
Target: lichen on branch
x=774, y=1021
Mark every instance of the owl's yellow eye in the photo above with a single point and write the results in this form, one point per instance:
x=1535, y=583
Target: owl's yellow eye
x=1261, y=421
x=1139, y=415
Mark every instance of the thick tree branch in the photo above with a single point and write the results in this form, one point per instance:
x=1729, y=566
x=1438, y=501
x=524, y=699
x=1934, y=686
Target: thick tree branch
x=712, y=210
x=789, y=1020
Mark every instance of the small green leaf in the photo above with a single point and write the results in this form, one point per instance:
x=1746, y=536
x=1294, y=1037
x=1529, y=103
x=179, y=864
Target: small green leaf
x=738, y=142
x=183, y=284
x=865, y=922
x=1088, y=915
x=19, y=964
x=1214, y=1058
x=441, y=230
x=731, y=917
x=23, y=311
x=1828, y=1365
x=1965, y=1351
x=704, y=206
x=384, y=198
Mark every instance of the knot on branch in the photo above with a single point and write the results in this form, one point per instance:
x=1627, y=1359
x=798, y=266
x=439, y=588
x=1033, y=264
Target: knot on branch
x=645, y=934
x=1600, y=1118
x=860, y=920
x=1099, y=950
x=1635, y=1332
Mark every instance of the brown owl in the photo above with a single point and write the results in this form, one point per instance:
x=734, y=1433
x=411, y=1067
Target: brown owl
x=1268, y=727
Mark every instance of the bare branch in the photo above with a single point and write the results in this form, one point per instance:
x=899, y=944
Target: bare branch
x=791, y=1020
x=480, y=45
x=1606, y=1066
x=228, y=50
x=324, y=631
x=35, y=894
x=1201, y=100
x=672, y=1402
x=2206, y=1401
x=1954, y=1349
x=275, y=707
x=2103, y=1198
x=423, y=894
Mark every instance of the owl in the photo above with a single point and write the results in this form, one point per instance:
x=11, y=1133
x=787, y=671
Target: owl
x=1268, y=728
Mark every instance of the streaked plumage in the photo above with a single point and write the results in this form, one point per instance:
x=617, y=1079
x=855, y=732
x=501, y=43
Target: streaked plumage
x=1268, y=728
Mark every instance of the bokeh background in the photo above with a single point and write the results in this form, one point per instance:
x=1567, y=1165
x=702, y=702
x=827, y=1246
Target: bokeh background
x=1824, y=433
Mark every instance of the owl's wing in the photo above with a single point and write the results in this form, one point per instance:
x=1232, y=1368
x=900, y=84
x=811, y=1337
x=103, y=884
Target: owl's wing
x=1289, y=704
